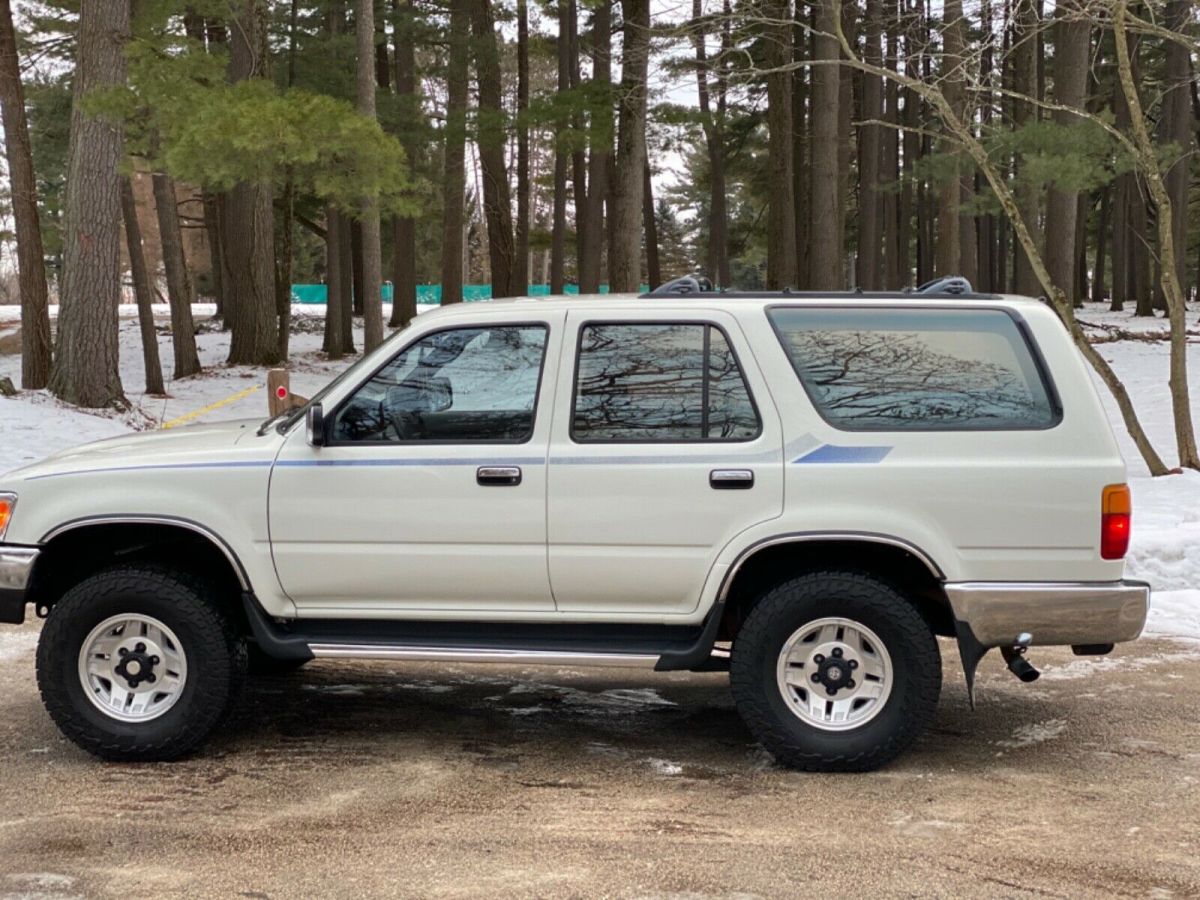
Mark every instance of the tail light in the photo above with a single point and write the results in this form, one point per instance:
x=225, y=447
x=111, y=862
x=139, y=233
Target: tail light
x=7, y=504
x=1116, y=508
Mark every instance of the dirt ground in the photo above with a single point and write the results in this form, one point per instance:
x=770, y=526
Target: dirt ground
x=369, y=779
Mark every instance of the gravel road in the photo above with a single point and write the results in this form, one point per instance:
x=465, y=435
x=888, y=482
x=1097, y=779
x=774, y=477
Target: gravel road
x=368, y=779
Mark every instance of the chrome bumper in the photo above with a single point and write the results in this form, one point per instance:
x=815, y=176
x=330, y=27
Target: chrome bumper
x=16, y=568
x=1053, y=612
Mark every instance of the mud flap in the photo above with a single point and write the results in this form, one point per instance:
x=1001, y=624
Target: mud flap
x=971, y=652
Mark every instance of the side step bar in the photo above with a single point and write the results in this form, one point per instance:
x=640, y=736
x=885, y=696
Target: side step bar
x=661, y=647
x=483, y=654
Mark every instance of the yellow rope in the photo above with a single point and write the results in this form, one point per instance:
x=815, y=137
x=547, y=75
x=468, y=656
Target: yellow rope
x=232, y=398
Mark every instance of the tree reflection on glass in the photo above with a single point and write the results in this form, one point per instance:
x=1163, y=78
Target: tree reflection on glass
x=955, y=375
x=676, y=382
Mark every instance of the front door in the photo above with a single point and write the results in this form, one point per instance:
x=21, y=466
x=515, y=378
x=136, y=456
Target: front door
x=666, y=445
x=430, y=494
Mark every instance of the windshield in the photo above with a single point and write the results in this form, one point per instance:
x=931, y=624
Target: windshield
x=295, y=415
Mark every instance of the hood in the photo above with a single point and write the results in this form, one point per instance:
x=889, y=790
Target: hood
x=165, y=446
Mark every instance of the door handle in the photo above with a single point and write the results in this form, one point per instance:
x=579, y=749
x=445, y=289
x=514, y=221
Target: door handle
x=498, y=476
x=731, y=479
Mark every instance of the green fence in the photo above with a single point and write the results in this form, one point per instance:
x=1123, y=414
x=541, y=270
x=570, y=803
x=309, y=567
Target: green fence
x=431, y=294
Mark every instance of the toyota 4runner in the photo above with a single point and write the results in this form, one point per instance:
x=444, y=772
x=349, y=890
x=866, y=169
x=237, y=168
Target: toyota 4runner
x=804, y=490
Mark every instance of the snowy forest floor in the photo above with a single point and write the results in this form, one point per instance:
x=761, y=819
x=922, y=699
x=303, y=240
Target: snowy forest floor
x=1166, y=536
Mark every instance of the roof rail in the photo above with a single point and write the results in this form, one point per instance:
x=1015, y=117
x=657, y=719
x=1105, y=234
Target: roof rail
x=698, y=285
x=947, y=284
x=688, y=284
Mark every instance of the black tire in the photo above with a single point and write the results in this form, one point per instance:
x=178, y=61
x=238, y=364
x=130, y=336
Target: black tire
x=216, y=660
x=261, y=664
x=916, y=667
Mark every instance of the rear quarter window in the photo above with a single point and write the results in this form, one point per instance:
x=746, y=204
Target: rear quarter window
x=917, y=369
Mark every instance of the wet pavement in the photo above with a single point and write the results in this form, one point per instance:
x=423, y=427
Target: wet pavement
x=423, y=780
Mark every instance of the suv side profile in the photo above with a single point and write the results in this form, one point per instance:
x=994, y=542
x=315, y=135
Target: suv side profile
x=804, y=490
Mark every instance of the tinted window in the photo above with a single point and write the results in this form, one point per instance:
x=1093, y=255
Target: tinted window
x=465, y=384
x=916, y=369
x=660, y=383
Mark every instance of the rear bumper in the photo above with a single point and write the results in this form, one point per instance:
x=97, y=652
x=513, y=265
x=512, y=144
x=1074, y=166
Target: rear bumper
x=1052, y=612
x=16, y=568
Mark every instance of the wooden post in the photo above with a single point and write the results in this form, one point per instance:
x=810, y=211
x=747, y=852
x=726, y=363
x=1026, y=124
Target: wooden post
x=279, y=393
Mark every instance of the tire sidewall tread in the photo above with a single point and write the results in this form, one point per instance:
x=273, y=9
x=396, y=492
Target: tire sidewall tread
x=916, y=666
x=216, y=658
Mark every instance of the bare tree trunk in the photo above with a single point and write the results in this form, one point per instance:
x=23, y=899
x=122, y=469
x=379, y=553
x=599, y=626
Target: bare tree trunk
x=283, y=266
x=912, y=150
x=141, y=289
x=86, y=367
x=372, y=295
x=216, y=253
x=179, y=282
x=624, y=263
x=404, y=231
x=1175, y=128
x=717, y=257
x=1147, y=163
x=346, y=283
x=454, y=172
x=579, y=172
x=194, y=27
x=249, y=226
x=600, y=138
x=334, y=298
x=520, y=277
x=1025, y=84
x=949, y=256
x=497, y=204
x=846, y=96
x=893, y=277
x=653, y=266
x=31, y=257
x=781, y=200
x=870, y=198
x=1099, y=274
x=985, y=243
x=1071, y=46
x=558, y=239
x=801, y=51
x=826, y=258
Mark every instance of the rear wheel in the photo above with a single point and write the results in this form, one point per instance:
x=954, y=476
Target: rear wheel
x=137, y=663
x=835, y=671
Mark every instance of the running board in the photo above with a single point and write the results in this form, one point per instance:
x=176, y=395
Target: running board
x=662, y=647
x=483, y=655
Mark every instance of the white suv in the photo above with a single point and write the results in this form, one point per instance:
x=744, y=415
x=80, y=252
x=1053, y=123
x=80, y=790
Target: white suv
x=801, y=489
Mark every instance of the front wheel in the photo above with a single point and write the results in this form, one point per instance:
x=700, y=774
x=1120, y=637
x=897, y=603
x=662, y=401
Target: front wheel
x=137, y=663
x=835, y=672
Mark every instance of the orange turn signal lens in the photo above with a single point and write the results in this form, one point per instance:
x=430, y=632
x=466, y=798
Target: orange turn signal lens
x=7, y=503
x=1116, y=513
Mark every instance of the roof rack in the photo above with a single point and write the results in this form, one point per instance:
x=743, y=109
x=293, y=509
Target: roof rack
x=697, y=285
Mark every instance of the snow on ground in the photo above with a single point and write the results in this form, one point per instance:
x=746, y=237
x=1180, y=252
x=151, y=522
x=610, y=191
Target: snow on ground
x=1166, y=536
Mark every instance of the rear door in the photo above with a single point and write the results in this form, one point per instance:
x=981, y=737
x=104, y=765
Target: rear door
x=665, y=446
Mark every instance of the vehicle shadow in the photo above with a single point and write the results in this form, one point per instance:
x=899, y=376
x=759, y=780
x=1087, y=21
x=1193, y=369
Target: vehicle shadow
x=509, y=717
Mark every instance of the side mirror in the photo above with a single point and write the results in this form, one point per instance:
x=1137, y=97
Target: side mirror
x=315, y=425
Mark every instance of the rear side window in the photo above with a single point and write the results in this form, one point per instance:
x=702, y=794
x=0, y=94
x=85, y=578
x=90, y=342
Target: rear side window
x=916, y=369
x=660, y=382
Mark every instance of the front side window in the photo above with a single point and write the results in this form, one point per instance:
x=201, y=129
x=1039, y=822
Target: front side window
x=459, y=385
x=660, y=382
x=916, y=369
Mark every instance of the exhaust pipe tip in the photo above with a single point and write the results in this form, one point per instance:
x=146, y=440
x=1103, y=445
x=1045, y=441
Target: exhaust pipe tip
x=1022, y=668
